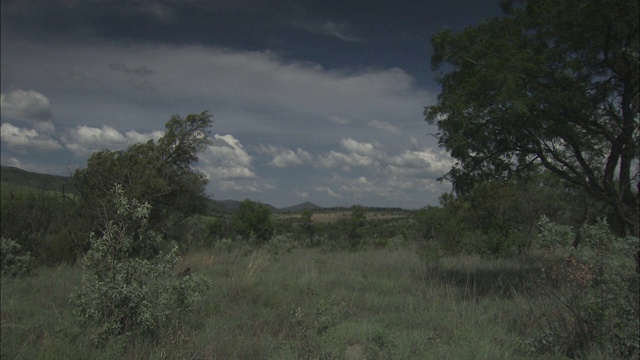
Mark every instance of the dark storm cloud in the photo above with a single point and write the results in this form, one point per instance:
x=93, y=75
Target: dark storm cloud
x=385, y=33
x=206, y=22
x=140, y=71
x=249, y=23
x=29, y=106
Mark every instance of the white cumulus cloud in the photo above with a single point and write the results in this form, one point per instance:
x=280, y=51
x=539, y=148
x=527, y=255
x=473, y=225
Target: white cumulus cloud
x=363, y=148
x=434, y=162
x=344, y=161
x=383, y=125
x=85, y=140
x=285, y=157
x=341, y=117
x=226, y=158
x=16, y=137
x=327, y=190
x=28, y=105
x=341, y=120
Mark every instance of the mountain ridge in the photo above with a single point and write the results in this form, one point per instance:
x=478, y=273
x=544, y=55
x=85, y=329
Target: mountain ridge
x=40, y=181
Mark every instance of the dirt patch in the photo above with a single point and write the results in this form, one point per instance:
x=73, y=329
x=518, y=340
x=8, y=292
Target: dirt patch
x=355, y=352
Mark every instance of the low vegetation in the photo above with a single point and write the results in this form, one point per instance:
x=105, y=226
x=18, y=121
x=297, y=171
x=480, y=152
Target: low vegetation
x=129, y=287
x=306, y=304
x=525, y=268
x=390, y=297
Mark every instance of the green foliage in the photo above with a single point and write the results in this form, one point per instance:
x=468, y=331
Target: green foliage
x=496, y=218
x=282, y=243
x=592, y=300
x=553, y=83
x=354, y=225
x=28, y=216
x=440, y=228
x=254, y=220
x=219, y=227
x=17, y=180
x=159, y=173
x=306, y=223
x=311, y=324
x=14, y=261
x=198, y=231
x=44, y=223
x=130, y=289
x=307, y=304
x=552, y=236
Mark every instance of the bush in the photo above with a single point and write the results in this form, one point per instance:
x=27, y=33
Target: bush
x=491, y=243
x=500, y=218
x=13, y=263
x=592, y=299
x=131, y=289
x=27, y=219
x=282, y=243
x=353, y=226
x=254, y=221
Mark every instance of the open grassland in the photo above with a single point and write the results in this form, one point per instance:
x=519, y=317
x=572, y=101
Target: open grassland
x=332, y=216
x=305, y=304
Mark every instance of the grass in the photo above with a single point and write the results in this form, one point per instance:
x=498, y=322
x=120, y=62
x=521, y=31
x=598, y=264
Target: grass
x=306, y=304
x=332, y=216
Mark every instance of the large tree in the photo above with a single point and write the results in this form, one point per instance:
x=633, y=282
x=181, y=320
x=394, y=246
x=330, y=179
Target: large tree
x=550, y=83
x=159, y=173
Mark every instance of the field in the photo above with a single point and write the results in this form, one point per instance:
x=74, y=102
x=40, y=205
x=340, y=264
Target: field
x=332, y=216
x=302, y=304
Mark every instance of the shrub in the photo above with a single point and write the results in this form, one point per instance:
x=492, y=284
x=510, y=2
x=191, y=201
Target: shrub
x=130, y=288
x=395, y=243
x=13, y=263
x=28, y=217
x=490, y=243
x=354, y=224
x=254, y=221
x=592, y=300
x=307, y=226
x=281, y=243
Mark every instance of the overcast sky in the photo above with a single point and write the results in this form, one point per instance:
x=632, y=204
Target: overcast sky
x=316, y=101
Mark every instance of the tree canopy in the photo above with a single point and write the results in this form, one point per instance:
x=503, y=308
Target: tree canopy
x=159, y=173
x=254, y=220
x=552, y=84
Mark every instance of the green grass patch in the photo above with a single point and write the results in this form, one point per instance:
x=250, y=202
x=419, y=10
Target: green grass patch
x=307, y=304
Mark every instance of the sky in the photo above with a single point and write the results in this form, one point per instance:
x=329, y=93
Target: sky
x=318, y=101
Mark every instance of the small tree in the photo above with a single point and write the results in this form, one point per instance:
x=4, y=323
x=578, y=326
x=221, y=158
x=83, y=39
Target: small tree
x=307, y=225
x=159, y=173
x=130, y=288
x=354, y=225
x=254, y=220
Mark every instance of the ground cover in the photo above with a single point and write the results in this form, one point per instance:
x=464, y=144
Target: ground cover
x=303, y=304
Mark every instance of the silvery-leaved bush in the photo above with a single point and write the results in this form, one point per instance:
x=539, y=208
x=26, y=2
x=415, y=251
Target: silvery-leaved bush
x=130, y=288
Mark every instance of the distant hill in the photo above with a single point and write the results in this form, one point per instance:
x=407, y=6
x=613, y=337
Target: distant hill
x=224, y=205
x=13, y=176
x=300, y=208
x=234, y=205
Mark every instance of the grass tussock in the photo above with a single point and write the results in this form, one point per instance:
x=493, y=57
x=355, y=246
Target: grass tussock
x=306, y=304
